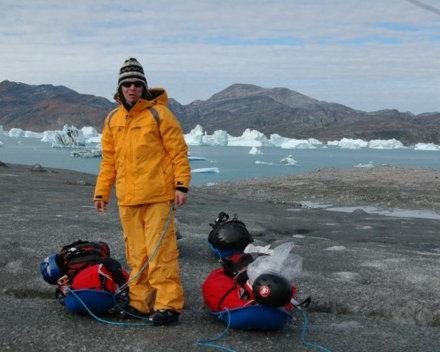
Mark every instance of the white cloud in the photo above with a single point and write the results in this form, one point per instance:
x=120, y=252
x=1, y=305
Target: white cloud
x=368, y=55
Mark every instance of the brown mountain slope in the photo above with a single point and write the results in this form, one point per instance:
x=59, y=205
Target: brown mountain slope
x=46, y=107
x=291, y=114
x=240, y=106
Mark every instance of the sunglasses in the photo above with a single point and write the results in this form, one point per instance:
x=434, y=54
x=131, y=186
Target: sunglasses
x=137, y=84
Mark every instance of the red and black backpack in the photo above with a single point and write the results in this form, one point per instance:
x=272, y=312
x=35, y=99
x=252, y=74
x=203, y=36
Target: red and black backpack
x=107, y=275
x=79, y=255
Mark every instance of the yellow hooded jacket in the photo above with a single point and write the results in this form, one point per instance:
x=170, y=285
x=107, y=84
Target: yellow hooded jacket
x=145, y=152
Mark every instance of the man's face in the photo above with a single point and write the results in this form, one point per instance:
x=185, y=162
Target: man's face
x=132, y=90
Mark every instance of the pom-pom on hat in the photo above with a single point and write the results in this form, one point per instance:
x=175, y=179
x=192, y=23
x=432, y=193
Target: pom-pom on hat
x=130, y=70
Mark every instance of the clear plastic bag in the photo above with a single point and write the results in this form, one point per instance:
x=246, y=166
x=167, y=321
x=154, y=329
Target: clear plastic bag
x=280, y=261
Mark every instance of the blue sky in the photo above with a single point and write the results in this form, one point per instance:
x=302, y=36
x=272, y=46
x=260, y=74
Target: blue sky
x=368, y=55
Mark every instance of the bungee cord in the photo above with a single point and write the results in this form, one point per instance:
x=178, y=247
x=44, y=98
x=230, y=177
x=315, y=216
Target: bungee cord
x=206, y=342
x=201, y=342
x=121, y=288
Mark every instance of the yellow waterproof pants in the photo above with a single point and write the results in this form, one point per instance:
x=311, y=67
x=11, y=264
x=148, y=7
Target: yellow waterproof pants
x=158, y=286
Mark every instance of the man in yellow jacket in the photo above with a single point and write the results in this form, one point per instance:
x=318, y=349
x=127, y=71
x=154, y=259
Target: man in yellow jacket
x=146, y=157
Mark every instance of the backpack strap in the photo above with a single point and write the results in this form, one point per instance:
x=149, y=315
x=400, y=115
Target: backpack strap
x=224, y=296
x=153, y=111
x=305, y=302
x=110, y=116
x=115, y=269
x=155, y=114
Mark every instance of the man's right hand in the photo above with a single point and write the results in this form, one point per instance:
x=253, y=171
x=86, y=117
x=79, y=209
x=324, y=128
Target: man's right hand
x=100, y=206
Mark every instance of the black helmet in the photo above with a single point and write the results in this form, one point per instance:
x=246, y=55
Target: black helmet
x=230, y=235
x=237, y=268
x=272, y=290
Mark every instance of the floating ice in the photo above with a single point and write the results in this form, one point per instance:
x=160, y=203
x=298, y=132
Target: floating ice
x=30, y=134
x=347, y=143
x=91, y=135
x=255, y=151
x=206, y=170
x=426, y=146
x=265, y=163
x=69, y=137
x=276, y=140
x=16, y=132
x=198, y=137
x=370, y=164
x=385, y=144
x=289, y=160
x=87, y=153
x=249, y=138
x=299, y=144
x=196, y=158
x=47, y=136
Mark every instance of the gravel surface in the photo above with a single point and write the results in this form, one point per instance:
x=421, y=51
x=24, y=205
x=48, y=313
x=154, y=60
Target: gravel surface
x=373, y=279
x=384, y=187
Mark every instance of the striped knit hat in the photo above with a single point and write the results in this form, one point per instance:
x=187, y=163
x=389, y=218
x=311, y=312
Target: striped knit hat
x=132, y=69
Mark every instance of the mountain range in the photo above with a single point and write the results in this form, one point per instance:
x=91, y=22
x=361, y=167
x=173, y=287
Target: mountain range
x=268, y=110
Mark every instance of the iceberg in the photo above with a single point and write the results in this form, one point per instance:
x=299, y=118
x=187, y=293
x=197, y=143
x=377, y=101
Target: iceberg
x=16, y=132
x=91, y=135
x=276, y=140
x=299, y=144
x=426, y=146
x=89, y=131
x=47, y=136
x=219, y=138
x=385, y=144
x=198, y=137
x=256, y=139
x=289, y=160
x=30, y=134
x=19, y=133
x=96, y=139
x=69, y=137
x=348, y=143
x=255, y=151
x=249, y=138
x=195, y=136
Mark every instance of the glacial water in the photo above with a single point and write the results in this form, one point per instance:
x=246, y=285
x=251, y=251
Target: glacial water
x=233, y=163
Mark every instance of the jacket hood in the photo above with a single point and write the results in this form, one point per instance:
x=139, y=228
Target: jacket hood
x=158, y=96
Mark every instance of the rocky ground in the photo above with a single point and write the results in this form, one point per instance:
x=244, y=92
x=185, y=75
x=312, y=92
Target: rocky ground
x=373, y=279
x=384, y=187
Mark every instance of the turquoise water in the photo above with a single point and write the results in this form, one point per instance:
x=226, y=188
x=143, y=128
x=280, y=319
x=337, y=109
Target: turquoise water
x=233, y=163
